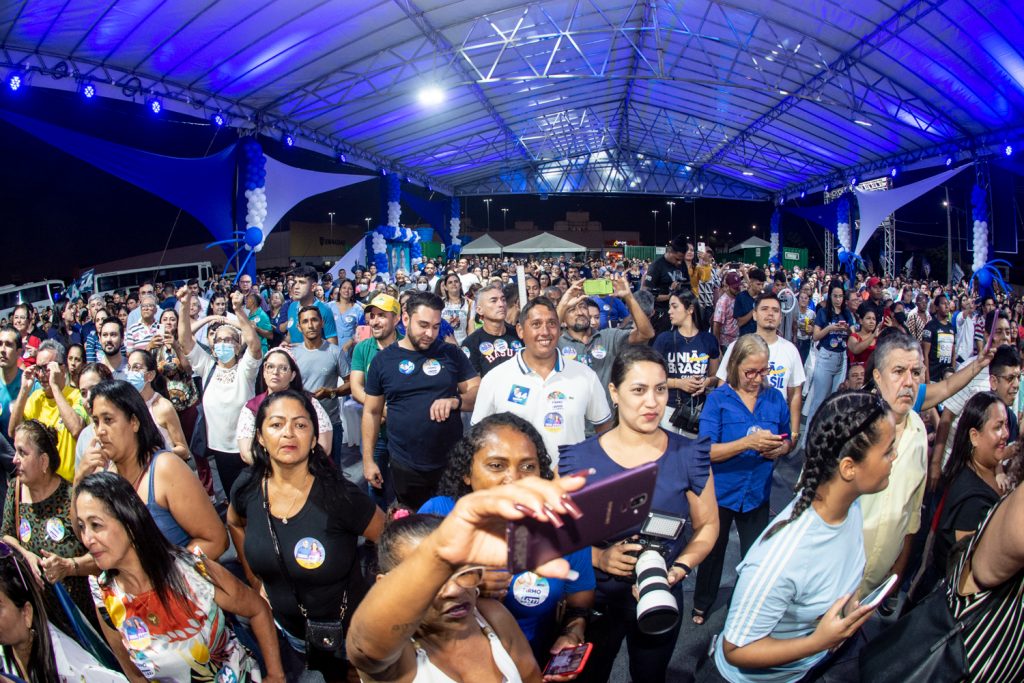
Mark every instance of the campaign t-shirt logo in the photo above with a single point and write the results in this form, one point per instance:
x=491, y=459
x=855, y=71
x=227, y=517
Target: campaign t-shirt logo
x=569, y=352
x=776, y=375
x=431, y=367
x=556, y=396
x=501, y=346
x=466, y=351
x=406, y=367
x=519, y=394
x=530, y=590
x=553, y=422
x=309, y=553
x=516, y=345
x=487, y=348
x=598, y=352
x=55, y=529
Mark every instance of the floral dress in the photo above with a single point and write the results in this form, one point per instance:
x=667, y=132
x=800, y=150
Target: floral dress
x=188, y=640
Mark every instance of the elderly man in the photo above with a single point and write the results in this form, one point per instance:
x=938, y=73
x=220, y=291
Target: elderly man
x=56, y=403
x=145, y=289
x=141, y=335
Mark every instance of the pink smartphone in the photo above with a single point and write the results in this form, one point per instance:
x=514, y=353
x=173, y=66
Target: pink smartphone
x=609, y=506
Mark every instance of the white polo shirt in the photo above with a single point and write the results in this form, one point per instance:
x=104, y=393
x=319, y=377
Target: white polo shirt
x=785, y=369
x=557, y=406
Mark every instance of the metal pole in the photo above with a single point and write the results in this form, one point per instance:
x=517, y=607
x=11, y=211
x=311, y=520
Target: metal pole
x=949, y=238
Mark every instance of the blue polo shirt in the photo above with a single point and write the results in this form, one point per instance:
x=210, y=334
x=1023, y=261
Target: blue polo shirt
x=744, y=304
x=295, y=334
x=613, y=310
x=8, y=393
x=744, y=481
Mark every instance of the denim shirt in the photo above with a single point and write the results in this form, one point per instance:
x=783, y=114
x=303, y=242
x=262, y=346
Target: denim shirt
x=744, y=481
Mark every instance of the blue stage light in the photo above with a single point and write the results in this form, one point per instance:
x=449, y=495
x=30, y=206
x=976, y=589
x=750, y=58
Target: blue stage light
x=218, y=119
x=949, y=161
x=155, y=105
x=826, y=187
x=1009, y=150
x=893, y=172
x=803, y=194
x=342, y=158
x=853, y=181
x=288, y=140
x=15, y=80
x=88, y=90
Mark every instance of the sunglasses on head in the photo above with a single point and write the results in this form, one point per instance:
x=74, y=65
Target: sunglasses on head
x=8, y=552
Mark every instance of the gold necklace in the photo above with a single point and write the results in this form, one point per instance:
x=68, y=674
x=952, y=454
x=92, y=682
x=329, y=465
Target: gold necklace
x=295, y=497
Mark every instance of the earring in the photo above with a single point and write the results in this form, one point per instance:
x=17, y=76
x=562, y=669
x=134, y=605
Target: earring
x=477, y=589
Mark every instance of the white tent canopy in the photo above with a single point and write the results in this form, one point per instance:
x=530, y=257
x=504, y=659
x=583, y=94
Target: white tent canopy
x=485, y=245
x=751, y=243
x=545, y=243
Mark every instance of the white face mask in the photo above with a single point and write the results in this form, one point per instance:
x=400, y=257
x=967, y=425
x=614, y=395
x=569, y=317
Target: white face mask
x=422, y=286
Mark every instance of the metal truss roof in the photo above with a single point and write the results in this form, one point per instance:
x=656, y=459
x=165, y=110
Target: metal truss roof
x=743, y=99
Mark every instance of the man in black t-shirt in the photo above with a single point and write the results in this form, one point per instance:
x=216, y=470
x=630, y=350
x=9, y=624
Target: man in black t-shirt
x=425, y=382
x=664, y=276
x=743, y=307
x=938, y=340
x=496, y=341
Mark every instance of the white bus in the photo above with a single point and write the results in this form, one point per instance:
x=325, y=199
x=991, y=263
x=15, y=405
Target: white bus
x=176, y=273
x=39, y=294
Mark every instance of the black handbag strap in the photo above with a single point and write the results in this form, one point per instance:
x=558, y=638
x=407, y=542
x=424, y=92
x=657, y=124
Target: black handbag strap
x=280, y=558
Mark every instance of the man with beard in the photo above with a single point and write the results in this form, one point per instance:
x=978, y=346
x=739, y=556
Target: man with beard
x=597, y=348
x=424, y=382
x=10, y=373
x=56, y=403
x=496, y=341
x=111, y=348
x=665, y=275
x=382, y=315
x=539, y=385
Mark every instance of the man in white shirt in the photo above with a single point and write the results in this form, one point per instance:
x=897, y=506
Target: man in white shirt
x=785, y=369
x=467, y=278
x=557, y=395
x=964, y=346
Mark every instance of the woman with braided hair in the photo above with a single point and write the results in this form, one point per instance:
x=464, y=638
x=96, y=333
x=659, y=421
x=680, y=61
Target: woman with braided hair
x=810, y=559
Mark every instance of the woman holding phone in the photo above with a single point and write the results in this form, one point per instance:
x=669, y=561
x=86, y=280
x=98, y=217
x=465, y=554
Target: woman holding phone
x=832, y=325
x=748, y=422
x=684, y=489
x=809, y=562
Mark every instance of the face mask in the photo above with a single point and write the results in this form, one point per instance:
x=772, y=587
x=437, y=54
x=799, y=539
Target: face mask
x=901, y=317
x=362, y=289
x=422, y=286
x=224, y=352
x=136, y=379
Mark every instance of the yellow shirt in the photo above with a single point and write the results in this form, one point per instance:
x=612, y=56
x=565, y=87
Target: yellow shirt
x=890, y=515
x=39, y=407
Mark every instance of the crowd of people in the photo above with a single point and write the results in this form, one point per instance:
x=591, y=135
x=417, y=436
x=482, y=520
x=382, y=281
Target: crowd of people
x=300, y=477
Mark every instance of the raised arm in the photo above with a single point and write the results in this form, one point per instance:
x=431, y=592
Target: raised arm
x=643, y=330
x=249, y=337
x=185, y=338
x=937, y=392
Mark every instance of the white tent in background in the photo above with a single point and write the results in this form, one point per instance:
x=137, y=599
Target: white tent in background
x=485, y=245
x=751, y=243
x=544, y=243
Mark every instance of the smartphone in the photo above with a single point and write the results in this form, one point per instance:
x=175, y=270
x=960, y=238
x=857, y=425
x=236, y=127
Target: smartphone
x=609, y=506
x=874, y=598
x=362, y=332
x=570, y=661
x=599, y=287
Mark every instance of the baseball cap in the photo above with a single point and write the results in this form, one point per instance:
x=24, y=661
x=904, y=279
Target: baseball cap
x=386, y=303
x=733, y=279
x=874, y=281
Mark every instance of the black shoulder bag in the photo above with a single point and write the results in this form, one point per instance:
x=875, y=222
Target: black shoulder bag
x=328, y=636
x=686, y=415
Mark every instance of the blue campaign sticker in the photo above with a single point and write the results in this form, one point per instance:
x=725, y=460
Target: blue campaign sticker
x=553, y=422
x=466, y=351
x=516, y=345
x=556, y=396
x=431, y=367
x=530, y=590
x=569, y=352
x=406, y=367
x=136, y=633
x=55, y=529
x=309, y=553
x=501, y=346
x=25, y=531
x=598, y=352
x=519, y=394
x=487, y=348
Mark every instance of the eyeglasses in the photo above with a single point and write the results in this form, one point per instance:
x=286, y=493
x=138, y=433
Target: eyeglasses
x=7, y=552
x=752, y=374
x=275, y=369
x=1012, y=379
x=468, y=577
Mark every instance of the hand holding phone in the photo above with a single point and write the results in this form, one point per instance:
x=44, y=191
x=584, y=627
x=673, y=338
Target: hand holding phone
x=570, y=661
x=874, y=598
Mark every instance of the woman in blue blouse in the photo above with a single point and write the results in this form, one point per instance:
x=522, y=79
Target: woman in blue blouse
x=748, y=424
x=684, y=488
x=500, y=449
x=832, y=325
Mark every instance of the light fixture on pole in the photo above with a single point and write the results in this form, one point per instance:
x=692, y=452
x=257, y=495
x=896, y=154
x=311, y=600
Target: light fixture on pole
x=671, y=227
x=655, y=212
x=367, y=219
x=949, y=237
x=488, y=203
x=330, y=215
x=504, y=216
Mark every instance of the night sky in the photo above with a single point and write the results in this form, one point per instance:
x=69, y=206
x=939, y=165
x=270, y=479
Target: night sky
x=60, y=215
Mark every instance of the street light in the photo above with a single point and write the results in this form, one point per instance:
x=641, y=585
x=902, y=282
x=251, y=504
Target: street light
x=655, y=212
x=504, y=216
x=671, y=208
x=488, y=203
x=367, y=219
x=330, y=214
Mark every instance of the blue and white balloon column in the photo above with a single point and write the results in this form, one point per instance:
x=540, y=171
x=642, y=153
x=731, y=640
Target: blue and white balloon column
x=844, y=232
x=454, y=226
x=776, y=239
x=252, y=178
x=979, y=211
x=391, y=232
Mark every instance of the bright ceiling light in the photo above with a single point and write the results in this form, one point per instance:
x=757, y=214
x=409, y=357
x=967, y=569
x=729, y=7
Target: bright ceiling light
x=748, y=173
x=431, y=96
x=862, y=122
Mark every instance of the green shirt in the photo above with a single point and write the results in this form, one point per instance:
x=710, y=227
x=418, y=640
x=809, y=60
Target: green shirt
x=364, y=352
x=260, y=319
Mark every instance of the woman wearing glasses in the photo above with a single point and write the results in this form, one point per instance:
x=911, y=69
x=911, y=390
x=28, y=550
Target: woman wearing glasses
x=33, y=649
x=454, y=635
x=37, y=519
x=748, y=424
x=278, y=372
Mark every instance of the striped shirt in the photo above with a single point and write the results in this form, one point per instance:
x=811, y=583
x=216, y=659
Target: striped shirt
x=786, y=583
x=992, y=642
x=139, y=334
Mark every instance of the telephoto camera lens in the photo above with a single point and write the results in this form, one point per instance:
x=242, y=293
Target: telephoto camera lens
x=656, y=611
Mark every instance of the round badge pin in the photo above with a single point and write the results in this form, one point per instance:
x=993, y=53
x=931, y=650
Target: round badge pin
x=309, y=553
x=406, y=367
x=55, y=529
x=431, y=367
